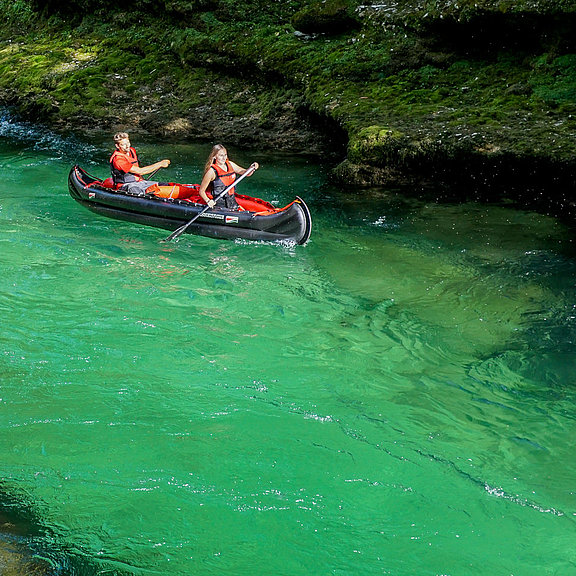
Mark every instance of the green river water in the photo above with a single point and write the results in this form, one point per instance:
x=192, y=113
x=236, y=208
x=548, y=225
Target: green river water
x=395, y=398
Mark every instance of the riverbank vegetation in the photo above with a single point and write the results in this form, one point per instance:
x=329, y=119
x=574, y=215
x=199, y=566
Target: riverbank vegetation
x=478, y=93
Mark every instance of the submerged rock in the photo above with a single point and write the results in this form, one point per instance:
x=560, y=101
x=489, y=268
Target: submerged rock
x=16, y=561
x=16, y=558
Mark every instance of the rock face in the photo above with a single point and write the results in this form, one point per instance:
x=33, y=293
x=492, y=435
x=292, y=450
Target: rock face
x=477, y=93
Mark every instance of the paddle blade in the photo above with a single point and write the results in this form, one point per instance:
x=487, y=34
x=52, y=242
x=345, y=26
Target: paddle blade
x=176, y=233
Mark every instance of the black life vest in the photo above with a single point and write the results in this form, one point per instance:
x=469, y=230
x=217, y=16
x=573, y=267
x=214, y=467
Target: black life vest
x=118, y=176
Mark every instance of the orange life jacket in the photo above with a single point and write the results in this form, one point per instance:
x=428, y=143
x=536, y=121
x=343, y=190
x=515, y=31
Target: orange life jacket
x=118, y=175
x=223, y=179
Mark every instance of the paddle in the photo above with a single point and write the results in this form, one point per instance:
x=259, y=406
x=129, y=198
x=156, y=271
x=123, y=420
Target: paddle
x=183, y=229
x=149, y=176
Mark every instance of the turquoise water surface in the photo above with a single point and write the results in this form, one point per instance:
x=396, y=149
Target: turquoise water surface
x=397, y=397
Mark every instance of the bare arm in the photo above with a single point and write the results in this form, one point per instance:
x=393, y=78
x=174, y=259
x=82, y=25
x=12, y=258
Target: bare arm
x=143, y=170
x=208, y=177
x=239, y=170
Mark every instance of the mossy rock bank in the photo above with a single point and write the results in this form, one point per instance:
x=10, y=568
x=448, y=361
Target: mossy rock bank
x=480, y=94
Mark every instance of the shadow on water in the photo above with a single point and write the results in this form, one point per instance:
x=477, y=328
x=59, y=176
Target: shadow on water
x=499, y=278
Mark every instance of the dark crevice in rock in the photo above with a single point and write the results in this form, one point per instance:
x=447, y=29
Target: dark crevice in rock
x=490, y=34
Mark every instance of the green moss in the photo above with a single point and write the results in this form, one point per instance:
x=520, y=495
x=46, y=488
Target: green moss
x=375, y=143
x=17, y=15
x=398, y=93
x=325, y=16
x=556, y=82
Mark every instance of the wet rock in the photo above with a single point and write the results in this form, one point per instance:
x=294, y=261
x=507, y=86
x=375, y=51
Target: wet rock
x=15, y=561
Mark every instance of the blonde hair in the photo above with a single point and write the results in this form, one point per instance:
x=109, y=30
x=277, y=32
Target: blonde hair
x=215, y=149
x=120, y=136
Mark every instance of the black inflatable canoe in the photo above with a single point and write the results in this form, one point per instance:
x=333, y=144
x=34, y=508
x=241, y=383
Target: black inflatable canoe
x=173, y=205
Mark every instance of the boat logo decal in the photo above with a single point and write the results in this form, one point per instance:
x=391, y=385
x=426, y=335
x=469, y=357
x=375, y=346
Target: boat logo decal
x=213, y=216
x=231, y=219
x=91, y=195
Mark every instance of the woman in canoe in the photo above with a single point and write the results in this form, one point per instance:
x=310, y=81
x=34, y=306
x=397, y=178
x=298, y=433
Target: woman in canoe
x=219, y=173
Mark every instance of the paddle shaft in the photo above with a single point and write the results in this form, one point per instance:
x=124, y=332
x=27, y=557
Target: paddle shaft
x=148, y=176
x=183, y=229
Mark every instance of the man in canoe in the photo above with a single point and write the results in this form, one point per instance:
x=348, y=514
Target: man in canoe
x=126, y=172
x=219, y=173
